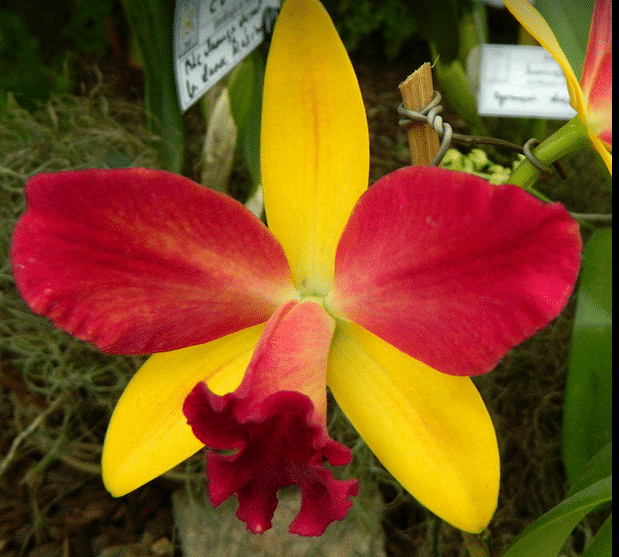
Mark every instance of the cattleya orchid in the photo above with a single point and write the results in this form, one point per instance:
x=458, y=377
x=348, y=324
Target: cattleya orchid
x=390, y=295
x=592, y=98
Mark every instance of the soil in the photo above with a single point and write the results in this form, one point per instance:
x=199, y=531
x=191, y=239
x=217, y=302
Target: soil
x=53, y=507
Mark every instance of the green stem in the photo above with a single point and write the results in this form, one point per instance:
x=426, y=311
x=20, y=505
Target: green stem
x=475, y=546
x=570, y=137
x=436, y=537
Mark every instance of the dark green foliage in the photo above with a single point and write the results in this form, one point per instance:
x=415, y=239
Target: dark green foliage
x=86, y=30
x=21, y=70
x=37, y=39
x=358, y=19
x=151, y=23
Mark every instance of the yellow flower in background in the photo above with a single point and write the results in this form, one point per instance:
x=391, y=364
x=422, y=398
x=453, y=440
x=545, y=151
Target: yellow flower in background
x=592, y=97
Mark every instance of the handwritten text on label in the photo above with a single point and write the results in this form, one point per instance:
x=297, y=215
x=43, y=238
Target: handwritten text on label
x=521, y=81
x=212, y=36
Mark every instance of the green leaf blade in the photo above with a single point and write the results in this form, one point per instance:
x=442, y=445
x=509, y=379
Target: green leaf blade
x=546, y=536
x=587, y=413
x=602, y=543
x=570, y=21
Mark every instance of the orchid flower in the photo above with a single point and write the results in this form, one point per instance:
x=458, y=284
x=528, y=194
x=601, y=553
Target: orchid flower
x=592, y=98
x=391, y=296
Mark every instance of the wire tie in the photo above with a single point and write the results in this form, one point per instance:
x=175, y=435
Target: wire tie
x=526, y=150
x=430, y=114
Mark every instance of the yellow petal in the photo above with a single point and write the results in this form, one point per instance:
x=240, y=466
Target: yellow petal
x=148, y=433
x=432, y=431
x=314, y=142
x=536, y=25
x=602, y=149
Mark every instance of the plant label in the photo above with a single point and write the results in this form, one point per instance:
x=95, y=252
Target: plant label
x=213, y=36
x=520, y=81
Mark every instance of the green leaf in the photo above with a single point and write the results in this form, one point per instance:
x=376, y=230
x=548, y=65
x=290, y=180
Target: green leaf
x=587, y=411
x=245, y=89
x=546, y=536
x=439, y=25
x=240, y=87
x=602, y=543
x=600, y=466
x=457, y=90
x=570, y=21
x=151, y=23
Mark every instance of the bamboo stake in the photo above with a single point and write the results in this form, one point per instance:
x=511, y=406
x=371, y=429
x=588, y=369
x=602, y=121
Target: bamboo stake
x=417, y=91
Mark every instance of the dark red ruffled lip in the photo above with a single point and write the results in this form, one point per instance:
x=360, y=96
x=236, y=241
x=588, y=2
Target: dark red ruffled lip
x=277, y=432
x=282, y=447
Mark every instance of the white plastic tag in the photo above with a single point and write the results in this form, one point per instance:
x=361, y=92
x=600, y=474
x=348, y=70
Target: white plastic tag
x=213, y=36
x=521, y=81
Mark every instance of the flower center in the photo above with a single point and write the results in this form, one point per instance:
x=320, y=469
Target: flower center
x=318, y=298
x=312, y=297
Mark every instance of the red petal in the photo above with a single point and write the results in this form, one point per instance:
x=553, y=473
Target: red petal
x=279, y=435
x=142, y=261
x=599, y=43
x=452, y=270
x=600, y=100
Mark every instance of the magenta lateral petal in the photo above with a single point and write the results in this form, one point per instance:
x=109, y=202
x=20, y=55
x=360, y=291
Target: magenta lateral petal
x=599, y=43
x=600, y=100
x=278, y=434
x=143, y=261
x=453, y=270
